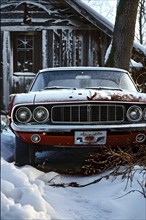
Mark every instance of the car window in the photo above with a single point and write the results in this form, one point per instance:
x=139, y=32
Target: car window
x=125, y=83
x=83, y=79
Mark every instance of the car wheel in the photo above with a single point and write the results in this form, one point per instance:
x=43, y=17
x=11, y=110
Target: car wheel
x=24, y=153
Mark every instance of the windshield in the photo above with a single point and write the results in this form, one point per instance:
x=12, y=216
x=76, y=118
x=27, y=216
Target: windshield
x=83, y=79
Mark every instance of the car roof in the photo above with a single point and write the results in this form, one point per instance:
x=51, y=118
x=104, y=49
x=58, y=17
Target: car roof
x=83, y=68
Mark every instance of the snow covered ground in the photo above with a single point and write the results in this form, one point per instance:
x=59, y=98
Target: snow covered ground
x=28, y=194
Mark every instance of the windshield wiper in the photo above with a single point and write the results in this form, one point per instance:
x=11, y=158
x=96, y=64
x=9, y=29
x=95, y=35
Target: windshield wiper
x=104, y=88
x=56, y=87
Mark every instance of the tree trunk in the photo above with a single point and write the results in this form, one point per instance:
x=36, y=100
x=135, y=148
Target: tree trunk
x=141, y=20
x=123, y=34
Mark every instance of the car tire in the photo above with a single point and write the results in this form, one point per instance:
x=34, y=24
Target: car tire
x=24, y=153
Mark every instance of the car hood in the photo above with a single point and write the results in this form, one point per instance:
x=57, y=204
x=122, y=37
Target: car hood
x=69, y=95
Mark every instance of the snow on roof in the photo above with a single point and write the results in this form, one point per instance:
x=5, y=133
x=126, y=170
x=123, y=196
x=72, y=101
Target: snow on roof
x=105, y=22
x=88, y=13
x=139, y=47
x=96, y=19
x=133, y=63
x=24, y=74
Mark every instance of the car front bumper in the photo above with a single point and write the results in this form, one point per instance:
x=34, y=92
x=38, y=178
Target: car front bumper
x=69, y=128
x=64, y=136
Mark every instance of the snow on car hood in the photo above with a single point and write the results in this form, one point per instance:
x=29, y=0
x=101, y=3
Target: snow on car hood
x=67, y=95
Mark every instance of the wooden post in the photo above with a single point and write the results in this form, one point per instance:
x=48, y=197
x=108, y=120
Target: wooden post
x=6, y=69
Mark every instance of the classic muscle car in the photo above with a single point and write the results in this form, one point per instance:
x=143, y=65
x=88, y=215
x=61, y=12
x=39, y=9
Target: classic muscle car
x=77, y=107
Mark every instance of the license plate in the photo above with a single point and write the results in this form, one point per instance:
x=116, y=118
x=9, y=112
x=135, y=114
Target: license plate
x=90, y=137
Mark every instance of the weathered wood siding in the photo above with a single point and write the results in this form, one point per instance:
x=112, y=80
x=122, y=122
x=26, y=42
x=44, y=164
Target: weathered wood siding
x=65, y=38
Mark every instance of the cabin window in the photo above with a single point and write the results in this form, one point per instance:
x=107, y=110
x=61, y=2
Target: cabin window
x=27, y=52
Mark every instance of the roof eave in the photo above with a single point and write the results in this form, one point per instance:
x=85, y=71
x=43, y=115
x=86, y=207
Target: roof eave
x=92, y=16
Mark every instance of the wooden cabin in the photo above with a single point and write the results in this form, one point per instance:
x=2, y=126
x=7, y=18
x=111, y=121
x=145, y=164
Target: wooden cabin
x=36, y=34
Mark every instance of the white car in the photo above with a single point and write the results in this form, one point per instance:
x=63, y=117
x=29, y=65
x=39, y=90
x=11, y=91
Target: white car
x=78, y=107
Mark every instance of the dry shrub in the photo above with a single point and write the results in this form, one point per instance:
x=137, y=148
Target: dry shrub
x=109, y=158
x=117, y=162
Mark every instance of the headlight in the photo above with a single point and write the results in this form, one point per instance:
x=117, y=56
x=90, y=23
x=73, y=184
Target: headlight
x=134, y=113
x=40, y=114
x=23, y=114
x=144, y=114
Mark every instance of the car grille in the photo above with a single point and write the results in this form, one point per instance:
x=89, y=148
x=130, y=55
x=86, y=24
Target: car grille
x=87, y=113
